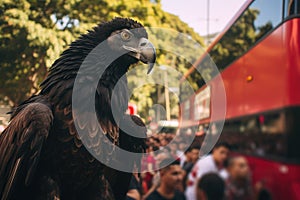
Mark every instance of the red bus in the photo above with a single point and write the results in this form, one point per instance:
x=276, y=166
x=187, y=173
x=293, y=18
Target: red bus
x=258, y=56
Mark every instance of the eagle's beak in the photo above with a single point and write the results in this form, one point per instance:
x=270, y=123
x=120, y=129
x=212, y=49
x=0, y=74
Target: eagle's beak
x=145, y=52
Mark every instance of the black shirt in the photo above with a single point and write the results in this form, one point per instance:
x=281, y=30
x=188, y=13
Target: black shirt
x=157, y=196
x=187, y=167
x=135, y=184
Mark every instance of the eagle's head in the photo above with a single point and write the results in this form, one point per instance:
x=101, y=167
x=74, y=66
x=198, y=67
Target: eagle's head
x=129, y=38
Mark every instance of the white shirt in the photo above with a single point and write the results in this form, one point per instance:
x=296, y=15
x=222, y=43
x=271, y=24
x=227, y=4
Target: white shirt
x=182, y=159
x=202, y=166
x=224, y=174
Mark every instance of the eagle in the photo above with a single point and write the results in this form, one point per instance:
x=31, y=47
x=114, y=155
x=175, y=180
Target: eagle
x=53, y=149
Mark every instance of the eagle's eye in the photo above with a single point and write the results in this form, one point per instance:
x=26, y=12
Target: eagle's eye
x=125, y=35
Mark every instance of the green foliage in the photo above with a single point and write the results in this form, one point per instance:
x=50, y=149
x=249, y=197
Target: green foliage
x=35, y=32
x=29, y=43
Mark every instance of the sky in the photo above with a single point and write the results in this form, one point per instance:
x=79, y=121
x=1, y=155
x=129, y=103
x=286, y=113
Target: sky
x=194, y=13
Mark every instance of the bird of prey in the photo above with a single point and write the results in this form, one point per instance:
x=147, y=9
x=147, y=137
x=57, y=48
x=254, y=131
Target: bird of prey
x=42, y=154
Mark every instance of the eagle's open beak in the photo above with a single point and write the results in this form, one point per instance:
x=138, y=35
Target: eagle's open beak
x=145, y=52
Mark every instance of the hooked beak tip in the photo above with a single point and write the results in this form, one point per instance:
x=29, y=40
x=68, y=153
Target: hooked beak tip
x=150, y=68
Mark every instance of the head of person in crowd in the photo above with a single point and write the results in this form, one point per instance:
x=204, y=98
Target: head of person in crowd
x=264, y=194
x=155, y=149
x=166, y=149
x=173, y=147
x=150, y=148
x=238, y=169
x=210, y=187
x=192, y=154
x=238, y=185
x=164, y=141
x=220, y=153
x=171, y=175
x=156, y=142
x=182, y=146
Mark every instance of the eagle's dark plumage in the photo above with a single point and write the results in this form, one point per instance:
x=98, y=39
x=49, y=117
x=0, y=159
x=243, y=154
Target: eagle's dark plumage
x=41, y=153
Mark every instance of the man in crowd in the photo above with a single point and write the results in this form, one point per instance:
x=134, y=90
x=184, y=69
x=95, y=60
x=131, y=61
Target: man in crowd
x=238, y=185
x=212, y=163
x=171, y=177
x=191, y=157
x=156, y=178
x=135, y=188
x=210, y=187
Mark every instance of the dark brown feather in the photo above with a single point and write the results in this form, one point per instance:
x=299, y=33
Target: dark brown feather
x=21, y=144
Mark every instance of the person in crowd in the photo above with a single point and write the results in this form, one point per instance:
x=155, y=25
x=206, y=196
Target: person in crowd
x=212, y=163
x=163, y=142
x=191, y=157
x=167, y=150
x=135, y=188
x=224, y=171
x=173, y=149
x=156, y=142
x=156, y=178
x=147, y=168
x=238, y=184
x=210, y=187
x=170, y=181
x=264, y=194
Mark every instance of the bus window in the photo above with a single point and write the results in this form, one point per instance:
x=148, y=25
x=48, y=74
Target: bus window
x=268, y=17
x=261, y=135
x=206, y=70
x=291, y=7
x=254, y=23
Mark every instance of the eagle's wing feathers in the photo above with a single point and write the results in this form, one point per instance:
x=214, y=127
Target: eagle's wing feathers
x=21, y=144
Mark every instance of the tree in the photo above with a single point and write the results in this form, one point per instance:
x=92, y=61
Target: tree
x=35, y=32
x=29, y=43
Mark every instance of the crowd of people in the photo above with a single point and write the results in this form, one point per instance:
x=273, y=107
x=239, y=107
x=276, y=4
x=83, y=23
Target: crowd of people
x=175, y=170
